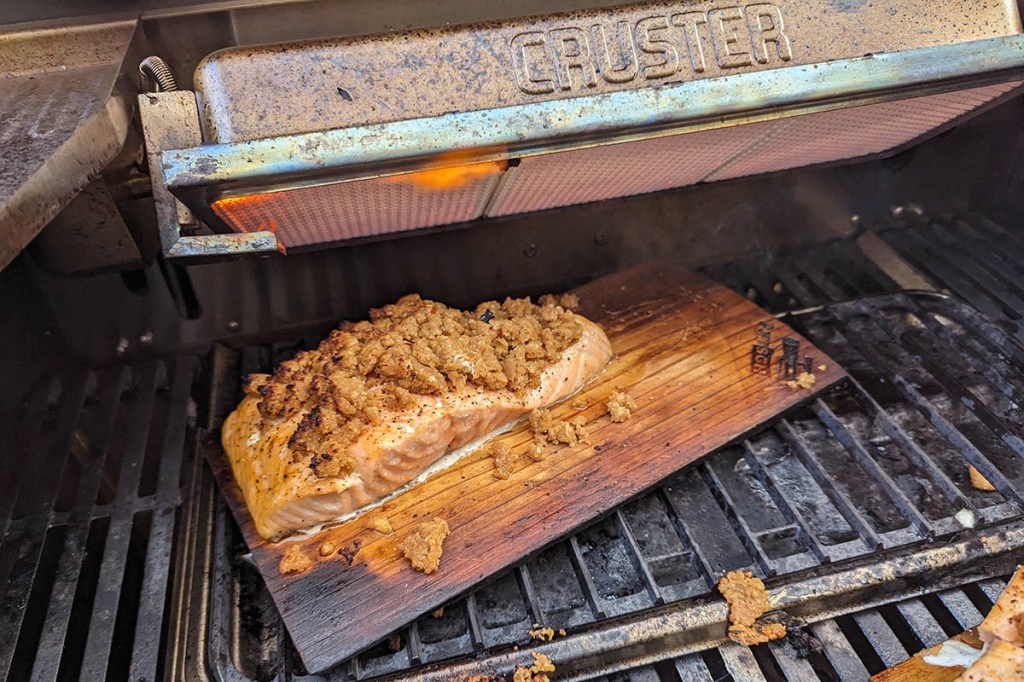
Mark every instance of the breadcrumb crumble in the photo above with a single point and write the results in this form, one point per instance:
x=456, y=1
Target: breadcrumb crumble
x=748, y=601
x=621, y=406
x=505, y=460
x=423, y=547
x=294, y=561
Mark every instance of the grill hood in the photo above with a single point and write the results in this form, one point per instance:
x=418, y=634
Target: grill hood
x=302, y=144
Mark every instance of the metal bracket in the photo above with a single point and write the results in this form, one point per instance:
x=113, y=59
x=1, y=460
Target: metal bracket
x=170, y=120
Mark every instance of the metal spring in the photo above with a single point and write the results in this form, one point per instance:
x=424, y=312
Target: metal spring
x=156, y=74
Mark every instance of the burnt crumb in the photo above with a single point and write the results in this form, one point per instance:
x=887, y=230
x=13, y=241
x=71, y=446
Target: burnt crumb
x=804, y=643
x=349, y=553
x=412, y=347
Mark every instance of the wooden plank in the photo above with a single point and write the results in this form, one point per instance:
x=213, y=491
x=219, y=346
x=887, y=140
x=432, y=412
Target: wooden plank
x=682, y=347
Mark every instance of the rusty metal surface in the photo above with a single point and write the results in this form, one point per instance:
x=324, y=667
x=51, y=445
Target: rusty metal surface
x=61, y=120
x=267, y=91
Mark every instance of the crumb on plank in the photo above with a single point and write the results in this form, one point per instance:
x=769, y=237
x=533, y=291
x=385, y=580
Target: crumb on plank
x=505, y=461
x=748, y=601
x=979, y=482
x=822, y=368
x=381, y=524
x=561, y=632
x=327, y=549
x=579, y=404
x=804, y=380
x=294, y=561
x=621, y=406
x=557, y=431
x=423, y=546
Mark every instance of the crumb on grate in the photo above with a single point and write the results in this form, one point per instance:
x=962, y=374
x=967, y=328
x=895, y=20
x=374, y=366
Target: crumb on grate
x=542, y=634
x=748, y=601
x=979, y=482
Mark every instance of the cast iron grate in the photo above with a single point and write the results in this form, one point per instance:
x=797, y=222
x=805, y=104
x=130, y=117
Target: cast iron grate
x=92, y=481
x=879, y=464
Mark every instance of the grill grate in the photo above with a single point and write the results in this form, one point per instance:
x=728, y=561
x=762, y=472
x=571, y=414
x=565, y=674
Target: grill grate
x=104, y=508
x=88, y=517
x=877, y=464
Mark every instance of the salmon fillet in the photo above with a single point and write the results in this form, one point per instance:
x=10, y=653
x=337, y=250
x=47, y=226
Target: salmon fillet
x=286, y=488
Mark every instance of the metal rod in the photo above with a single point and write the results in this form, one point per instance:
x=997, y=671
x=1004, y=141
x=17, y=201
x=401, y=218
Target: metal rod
x=62, y=593
x=532, y=603
x=115, y=550
x=871, y=467
x=786, y=506
x=637, y=559
x=43, y=482
x=590, y=593
x=742, y=529
x=852, y=516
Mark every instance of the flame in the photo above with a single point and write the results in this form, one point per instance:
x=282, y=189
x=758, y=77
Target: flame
x=451, y=176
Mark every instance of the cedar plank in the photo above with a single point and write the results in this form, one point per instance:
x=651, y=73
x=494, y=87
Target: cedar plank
x=683, y=350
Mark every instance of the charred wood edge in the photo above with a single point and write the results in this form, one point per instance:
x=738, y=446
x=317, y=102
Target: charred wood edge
x=684, y=628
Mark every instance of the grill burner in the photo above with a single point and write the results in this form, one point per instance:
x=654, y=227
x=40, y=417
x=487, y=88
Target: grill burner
x=877, y=464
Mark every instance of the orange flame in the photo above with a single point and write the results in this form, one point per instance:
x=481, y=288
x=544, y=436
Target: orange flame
x=451, y=176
